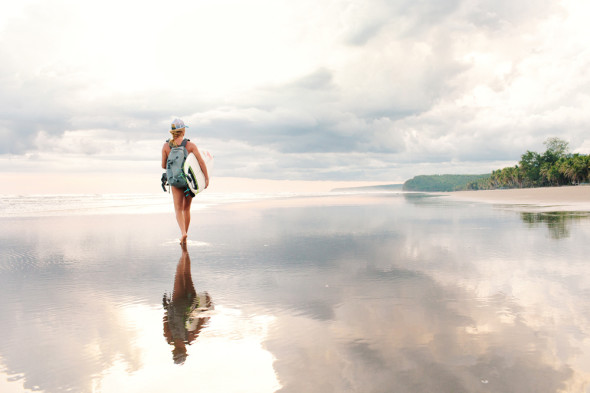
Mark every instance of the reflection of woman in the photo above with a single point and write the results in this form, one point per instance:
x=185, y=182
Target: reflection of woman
x=182, y=323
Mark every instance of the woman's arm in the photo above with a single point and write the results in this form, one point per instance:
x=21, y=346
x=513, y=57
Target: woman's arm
x=165, y=152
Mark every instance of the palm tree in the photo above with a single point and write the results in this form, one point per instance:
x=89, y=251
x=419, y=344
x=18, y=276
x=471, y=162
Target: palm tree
x=546, y=173
x=575, y=168
x=586, y=165
x=566, y=169
x=580, y=168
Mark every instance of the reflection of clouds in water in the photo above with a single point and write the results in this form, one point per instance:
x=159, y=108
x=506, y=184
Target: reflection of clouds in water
x=229, y=356
x=56, y=350
x=416, y=341
x=64, y=283
x=74, y=314
x=546, y=283
x=439, y=301
x=434, y=296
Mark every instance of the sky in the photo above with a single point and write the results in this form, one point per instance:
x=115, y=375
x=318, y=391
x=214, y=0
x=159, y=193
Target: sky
x=283, y=92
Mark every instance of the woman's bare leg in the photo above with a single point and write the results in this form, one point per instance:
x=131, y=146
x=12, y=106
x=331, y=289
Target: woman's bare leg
x=179, y=209
x=187, y=212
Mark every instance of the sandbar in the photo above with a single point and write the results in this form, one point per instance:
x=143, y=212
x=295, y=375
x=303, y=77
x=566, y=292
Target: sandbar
x=572, y=198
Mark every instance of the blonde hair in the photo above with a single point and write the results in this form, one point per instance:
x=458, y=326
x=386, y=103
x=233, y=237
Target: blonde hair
x=175, y=134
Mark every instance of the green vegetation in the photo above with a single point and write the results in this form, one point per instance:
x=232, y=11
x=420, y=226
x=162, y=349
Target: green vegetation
x=558, y=223
x=555, y=167
x=442, y=182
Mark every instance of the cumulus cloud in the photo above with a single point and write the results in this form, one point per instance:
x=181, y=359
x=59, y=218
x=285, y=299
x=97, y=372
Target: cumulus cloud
x=406, y=85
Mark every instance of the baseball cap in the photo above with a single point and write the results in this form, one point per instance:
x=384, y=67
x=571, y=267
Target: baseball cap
x=178, y=123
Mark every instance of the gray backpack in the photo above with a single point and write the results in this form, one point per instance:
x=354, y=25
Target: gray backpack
x=174, y=165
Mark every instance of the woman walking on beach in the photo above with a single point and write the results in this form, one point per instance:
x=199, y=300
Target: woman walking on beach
x=181, y=195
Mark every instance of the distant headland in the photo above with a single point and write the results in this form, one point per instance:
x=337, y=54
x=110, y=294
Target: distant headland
x=555, y=167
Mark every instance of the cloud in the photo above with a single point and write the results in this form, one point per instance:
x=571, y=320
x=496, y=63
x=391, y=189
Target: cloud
x=424, y=83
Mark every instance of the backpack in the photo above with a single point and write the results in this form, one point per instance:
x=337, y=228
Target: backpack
x=174, y=165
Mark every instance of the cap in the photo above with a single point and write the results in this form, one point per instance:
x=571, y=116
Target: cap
x=178, y=123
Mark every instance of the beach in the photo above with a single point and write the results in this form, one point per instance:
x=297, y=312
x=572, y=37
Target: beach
x=355, y=292
x=573, y=198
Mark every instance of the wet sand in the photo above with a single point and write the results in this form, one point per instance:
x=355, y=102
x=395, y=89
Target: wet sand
x=572, y=198
x=354, y=292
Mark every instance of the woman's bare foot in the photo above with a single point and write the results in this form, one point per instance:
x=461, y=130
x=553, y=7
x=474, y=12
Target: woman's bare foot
x=183, y=239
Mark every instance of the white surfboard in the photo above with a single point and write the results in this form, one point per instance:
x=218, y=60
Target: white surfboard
x=194, y=175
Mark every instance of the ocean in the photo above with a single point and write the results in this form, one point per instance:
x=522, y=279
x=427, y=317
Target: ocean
x=92, y=204
x=330, y=292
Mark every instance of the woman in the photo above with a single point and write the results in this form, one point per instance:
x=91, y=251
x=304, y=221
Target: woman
x=182, y=203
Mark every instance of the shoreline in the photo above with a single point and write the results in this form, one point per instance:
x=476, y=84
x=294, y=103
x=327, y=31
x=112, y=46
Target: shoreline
x=564, y=198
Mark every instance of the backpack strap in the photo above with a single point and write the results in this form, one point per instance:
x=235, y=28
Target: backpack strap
x=183, y=145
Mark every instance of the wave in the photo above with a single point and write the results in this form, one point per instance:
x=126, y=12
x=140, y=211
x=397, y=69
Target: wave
x=82, y=204
x=38, y=205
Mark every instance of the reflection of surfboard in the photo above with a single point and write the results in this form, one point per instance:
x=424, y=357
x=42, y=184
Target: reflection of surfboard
x=194, y=176
x=199, y=315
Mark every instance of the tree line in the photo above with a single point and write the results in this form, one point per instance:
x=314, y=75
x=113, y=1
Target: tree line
x=555, y=167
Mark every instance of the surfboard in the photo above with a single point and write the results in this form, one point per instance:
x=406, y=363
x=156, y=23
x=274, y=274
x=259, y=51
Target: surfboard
x=194, y=175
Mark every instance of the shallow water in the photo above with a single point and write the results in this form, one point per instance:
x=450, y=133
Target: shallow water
x=402, y=293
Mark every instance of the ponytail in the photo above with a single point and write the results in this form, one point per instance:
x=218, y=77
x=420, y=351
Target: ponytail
x=175, y=134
